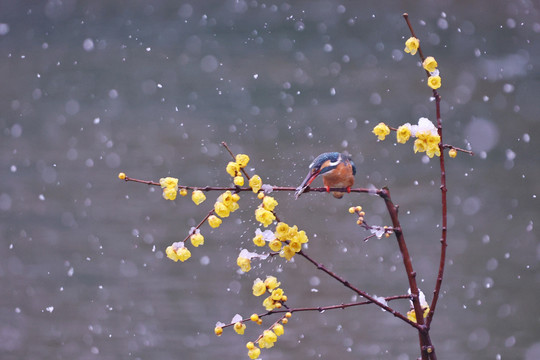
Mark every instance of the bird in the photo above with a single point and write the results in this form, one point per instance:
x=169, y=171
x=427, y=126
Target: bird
x=337, y=171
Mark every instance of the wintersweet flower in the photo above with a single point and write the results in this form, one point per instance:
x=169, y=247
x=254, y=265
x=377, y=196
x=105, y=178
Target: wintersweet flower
x=239, y=327
x=264, y=216
x=221, y=210
x=269, y=304
x=278, y=329
x=233, y=207
x=452, y=153
x=214, y=221
x=244, y=263
x=235, y=197
x=271, y=282
x=242, y=160
x=233, y=169
x=269, y=203
x=254, y=353
x=293, y=232
x=255, y=183
x=218, y=330
x=296, y=246
x=381, y=130
x=183, y=254
x=301, y=237
x=254, y=317
x=277, y=294
x=434, y=82
x=183, y=192
x=168, y=182
x=258, y=288
x=411, y=45
x=275, y=245
x=198, y=197
x=197, y=239
x=177, y=251
x=268, y=339
x=282, y=231
x=287, y=252
x=420, y=146
x=430, y=64
x=170, y=193
x=259, y=240
x=171, y=253
x=403, y=133
x=122, y=176
x=238, y=180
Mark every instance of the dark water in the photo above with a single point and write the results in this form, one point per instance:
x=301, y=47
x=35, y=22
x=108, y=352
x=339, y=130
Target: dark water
x=152, y=88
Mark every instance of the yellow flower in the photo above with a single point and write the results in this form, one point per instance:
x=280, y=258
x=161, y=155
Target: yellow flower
x=239, y=327
x=258, y=288
x=255, y=183
x=198, y=197
x=403, y=134
x=301, y=237
x=218, y=330
x=242, y=160
x=433, y=150
x=282, y=231
x=452, y=153
x=287, y=252
x=233, y=207
x=226, y=198
x=269, y=304
x=233, y=169
x=250, y=345
x=430, y=64
x=269, y=203
x=183, y=254
x=235, y=197
x=411, y=45
x=268, y=339
x=254, y=353
x=434, y=82
x=168, y=182
x=278, y=329
x=169, y=193
x=171, y=254
x=381, y=130
x=183, y=192
x=277, y=294
x=244, y=263
x=420, y=145
x=221, y=210
x=122, y=176
x=264, y=216
x=411, y=315
x=271, y=282
x=296, y=246
x=197, y=239
x=214, y=221
x=238, y=180
x=275, y=245
x=293, y=232
x=259, y=240
x=254, y=317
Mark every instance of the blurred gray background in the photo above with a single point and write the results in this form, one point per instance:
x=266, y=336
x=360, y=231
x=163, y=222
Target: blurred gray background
x=151, y=88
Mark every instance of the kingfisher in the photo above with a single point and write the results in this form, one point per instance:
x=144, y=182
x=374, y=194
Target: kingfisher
x=337, y=171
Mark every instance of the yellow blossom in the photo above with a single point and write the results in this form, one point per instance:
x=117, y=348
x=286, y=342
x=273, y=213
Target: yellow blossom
x=242, y=160
x=275, y=245
x=430, y=64
x=282, y=231
x=168, y=182
x=411, y=315
x=271, y=282
x=301, y=237
x=284, y=321
x=403, y=134
x=278, y=329
x=293, y=232
x=411, y=45
x=433, y=150
x=452, y=153
x=169, y=193
x=260, y=196
x=221, y=210
x=254, y=353
x=244, y=263
x=264, y=216
x=352, y=209
x=269, y=203
x=288, y=315
x=269, y=304
x=287, y=252
x=296, y=246
x=420, y=145
x=381, y=130
x=255, y=183
x=218, y=330
x=197, y=239
x=238, y=180
x=259, y=240
x=183, y=254
x=235, y=197
x=277, y=294
x=239, y=327
x=198, y=197
x=258, y=288
x=250, y=345
x=233, y=207
x=268, y=339
x=434, y=82
x=183, y=192
x=254, y=317
x=171, y=254
x=233, y=169
x=226, y=198
x=122, y=176
x=214, y=221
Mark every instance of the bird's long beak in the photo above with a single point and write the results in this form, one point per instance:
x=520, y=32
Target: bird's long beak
x=307, y=181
